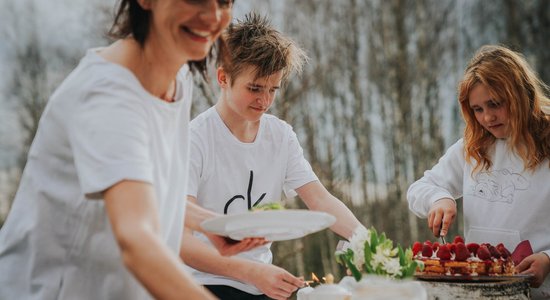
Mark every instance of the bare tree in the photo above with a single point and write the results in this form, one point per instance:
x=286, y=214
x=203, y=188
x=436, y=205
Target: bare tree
x=36, y=71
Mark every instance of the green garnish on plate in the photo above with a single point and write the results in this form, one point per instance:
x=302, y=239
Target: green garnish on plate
x=268, y=206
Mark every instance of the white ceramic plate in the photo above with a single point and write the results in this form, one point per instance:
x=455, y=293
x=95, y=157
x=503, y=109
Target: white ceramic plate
x=273, y=225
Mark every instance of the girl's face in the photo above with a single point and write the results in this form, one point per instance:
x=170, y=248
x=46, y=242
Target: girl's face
x=491, y=113
x=186, y=29
x=247, y=97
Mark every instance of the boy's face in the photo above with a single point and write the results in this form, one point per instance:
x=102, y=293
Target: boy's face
x=248, y=97
x=491, y=113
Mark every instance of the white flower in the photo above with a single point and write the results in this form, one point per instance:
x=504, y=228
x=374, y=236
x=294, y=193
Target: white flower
x=383, y=257
x=392, y=267
x=360, y=236
x=386, y=247
x=378, y=258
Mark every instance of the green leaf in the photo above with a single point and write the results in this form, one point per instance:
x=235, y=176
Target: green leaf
x=401, y=255
x=347, y=260
x=368, y=268
x=373, y=239
x=343, y=256
x=411, y=268
x=368, y=254
x=382, y=238
x=354, y=271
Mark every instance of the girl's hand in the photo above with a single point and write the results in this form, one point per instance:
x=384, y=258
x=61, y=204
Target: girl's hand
x=273, y=281
x=441, y=216
x=537, y=264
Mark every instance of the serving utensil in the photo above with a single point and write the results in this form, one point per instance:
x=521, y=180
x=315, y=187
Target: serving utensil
x=442, y=238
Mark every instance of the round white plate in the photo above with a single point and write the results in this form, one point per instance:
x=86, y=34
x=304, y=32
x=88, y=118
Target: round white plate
x=273, y=225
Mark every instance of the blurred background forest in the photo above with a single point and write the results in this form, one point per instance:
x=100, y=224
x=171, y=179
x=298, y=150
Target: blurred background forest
x=375, y=107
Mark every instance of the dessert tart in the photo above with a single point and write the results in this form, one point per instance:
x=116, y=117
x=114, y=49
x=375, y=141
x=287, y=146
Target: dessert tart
x=461, y=259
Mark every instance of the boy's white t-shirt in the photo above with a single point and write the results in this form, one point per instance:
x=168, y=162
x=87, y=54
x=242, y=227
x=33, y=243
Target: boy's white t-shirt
x=505, y=204
x=100, y=127
x=228, y=176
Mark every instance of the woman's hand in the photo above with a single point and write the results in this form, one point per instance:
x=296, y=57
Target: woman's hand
x=273, y=281
x=537, y=264
x=229, y=247
x=441, y=216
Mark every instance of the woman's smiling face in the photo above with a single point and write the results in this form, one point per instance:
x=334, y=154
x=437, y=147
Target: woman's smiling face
x=491, y=113
x=187, y=28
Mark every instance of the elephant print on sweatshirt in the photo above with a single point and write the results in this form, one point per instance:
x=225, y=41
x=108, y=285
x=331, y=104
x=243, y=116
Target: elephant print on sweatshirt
x=498, y=185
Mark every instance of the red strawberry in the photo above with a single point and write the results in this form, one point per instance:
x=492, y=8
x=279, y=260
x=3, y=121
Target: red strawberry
x=444, y=252
x=483, y=252
x=452, y=247
x=427, y=250
x=461, y=252
x=494, y=251
x=428, y=242
x=417, y=247
x=503, y=251
x=458, y=239
x=435, y=245
x=472, y=247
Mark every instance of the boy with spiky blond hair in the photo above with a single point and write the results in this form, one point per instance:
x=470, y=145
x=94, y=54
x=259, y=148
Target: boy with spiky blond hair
x=242, y=157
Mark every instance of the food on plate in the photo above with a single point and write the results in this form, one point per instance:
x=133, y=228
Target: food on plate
x=459, y=258
x=268, y=206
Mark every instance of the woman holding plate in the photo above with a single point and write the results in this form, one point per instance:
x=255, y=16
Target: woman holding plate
x=99, y=211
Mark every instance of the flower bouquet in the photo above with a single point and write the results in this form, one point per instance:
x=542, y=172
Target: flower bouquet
x=373, y=253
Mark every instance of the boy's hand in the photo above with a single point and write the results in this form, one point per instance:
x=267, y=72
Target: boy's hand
x=537, y=264
x=229, y=247
x=441, y=216
x=274, y=282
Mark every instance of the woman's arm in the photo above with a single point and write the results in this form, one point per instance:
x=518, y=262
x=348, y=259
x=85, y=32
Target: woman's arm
x=132, y=211
x=195, y=215
x=316, y=197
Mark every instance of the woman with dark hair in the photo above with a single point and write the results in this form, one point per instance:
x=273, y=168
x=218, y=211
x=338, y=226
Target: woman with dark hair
x=98, y=213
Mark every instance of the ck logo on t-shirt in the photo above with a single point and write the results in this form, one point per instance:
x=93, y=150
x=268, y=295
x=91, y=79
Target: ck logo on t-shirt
x=248, y=196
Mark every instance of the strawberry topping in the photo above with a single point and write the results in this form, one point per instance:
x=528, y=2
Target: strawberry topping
x=461, y=252
x=444, y=252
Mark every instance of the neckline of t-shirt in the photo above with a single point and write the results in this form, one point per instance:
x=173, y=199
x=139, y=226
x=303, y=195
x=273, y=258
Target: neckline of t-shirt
x=179, y=95
x=229, y=135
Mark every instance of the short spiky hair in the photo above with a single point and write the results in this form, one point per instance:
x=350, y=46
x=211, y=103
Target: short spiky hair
x=254, y=42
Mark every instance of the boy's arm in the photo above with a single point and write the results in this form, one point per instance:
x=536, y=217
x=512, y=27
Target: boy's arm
x=195, y=214
x=273, y=281
x=132, y=212
x=316, y=197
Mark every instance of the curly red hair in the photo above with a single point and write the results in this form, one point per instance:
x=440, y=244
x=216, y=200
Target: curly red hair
x=511, y=81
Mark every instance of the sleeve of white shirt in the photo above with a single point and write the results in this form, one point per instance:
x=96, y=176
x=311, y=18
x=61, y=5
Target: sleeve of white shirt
x=109, y=137
x=299, y=171
x=444, y=180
